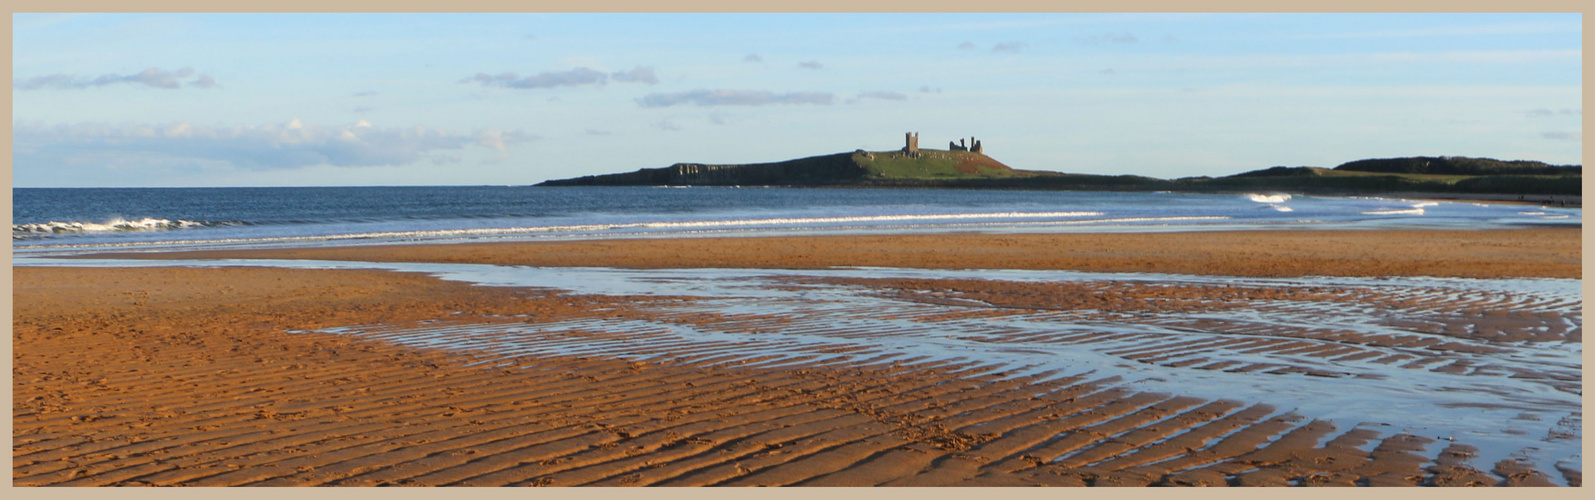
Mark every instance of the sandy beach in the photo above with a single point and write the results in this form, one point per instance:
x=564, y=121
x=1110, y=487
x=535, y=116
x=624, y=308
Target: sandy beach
x=266, y=376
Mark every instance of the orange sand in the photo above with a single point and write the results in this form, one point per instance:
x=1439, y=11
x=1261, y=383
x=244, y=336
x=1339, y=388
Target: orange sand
x=171, y=376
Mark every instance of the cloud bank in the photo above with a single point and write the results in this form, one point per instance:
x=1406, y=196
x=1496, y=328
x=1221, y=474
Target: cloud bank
x=576, y=77
x=264, y=147
x=152, y=77
x=703, y=97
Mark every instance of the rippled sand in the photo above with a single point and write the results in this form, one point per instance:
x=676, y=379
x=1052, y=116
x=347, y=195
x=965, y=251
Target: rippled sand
x=262, y=376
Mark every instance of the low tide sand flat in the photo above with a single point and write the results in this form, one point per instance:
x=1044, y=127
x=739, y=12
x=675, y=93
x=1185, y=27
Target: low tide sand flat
x=787, y=373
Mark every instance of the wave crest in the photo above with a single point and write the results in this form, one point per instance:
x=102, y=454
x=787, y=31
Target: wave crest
x=19, y=231
x=1268, y=198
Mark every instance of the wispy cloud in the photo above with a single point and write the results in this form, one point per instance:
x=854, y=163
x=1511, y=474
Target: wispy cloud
x=574, y=77
x=878, y=94
x=752, y=58
x=636, y=75
x=930, y=90
x=263, y=147
x=811, y=65
x=1564, y=136
x=204, y=82
x=153, y=77
x=704, y=97
x=367, y=93
x=966, y=46
x=548, y=79
x=1010, y=47
x=597, y=132
x=666, y=126
x=1547, y=113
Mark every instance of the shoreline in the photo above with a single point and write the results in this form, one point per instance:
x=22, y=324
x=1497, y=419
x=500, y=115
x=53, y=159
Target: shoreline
x=1550, y=252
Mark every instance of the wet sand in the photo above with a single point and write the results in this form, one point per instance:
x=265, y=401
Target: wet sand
x=1540, y=252
x=177, y=376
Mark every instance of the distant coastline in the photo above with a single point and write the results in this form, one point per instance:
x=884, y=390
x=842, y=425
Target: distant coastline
x=1445, y=177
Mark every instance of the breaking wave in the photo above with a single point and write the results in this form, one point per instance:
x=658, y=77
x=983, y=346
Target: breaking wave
x=1268, y=198
x=20, y=231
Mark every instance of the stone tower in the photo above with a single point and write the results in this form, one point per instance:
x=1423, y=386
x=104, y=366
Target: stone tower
x=911, y=146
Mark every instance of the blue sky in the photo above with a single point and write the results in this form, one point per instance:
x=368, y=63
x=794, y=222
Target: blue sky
x=429, y=99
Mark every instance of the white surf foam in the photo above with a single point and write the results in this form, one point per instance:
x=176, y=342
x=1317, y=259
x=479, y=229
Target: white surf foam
x=114, y=225
x=1268, y=198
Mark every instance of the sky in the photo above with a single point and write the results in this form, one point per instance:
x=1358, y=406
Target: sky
x=109, y=100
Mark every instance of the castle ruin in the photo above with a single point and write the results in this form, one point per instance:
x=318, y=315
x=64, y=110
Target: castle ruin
x=973, y=146
x=911, y=146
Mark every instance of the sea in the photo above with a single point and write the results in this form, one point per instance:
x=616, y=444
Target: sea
x=56, y=221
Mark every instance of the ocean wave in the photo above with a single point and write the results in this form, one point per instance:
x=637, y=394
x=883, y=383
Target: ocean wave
x=1268, y=198
x=638, y=229
x=1396, y=211
x=19, y=231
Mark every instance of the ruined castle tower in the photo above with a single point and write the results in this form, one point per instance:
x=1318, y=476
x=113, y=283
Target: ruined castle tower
x=911, y=146
x=976, y=147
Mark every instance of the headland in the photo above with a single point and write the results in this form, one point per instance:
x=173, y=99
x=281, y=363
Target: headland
x=966, y=165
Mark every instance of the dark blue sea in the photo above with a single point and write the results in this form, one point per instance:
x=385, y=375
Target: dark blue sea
x=51, y=220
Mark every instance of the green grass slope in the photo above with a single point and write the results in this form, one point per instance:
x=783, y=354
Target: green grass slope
x=934, y=164
x=856, y=168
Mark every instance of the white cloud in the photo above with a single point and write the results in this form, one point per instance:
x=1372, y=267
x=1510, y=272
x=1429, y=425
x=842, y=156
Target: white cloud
x=265, y=147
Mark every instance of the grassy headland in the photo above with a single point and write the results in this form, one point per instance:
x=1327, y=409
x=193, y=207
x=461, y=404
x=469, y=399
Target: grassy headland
x=963, y=169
